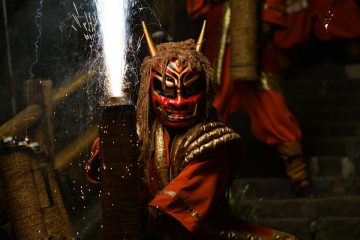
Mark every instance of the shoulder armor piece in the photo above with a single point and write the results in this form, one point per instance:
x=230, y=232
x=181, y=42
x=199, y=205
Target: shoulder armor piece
x=199, y=141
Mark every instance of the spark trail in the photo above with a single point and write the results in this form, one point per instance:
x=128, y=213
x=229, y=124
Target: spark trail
x=88, y=22
x=112, y=17
x=39, y=13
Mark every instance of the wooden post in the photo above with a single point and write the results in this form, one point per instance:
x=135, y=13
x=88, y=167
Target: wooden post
x=40, y=92
x=120, y=177
x=57, y=222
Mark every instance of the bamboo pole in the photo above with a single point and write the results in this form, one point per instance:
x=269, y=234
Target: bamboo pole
x=71, y=152
x=73, y=84
x=23, y=120
x=31, y=114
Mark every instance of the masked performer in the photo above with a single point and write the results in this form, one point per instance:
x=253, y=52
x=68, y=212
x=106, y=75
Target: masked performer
x=271, y=120
x=189, y=159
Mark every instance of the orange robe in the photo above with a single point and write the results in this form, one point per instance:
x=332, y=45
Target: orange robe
x=201, y=186
x=271, y=121
x=195, y=198
x=323, y=18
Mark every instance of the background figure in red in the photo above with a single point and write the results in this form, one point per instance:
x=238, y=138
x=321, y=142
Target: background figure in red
x=326, y=19
x=271, y=121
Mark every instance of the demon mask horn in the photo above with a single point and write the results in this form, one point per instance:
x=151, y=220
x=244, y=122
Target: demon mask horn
x=200, y=40
x=149, y=41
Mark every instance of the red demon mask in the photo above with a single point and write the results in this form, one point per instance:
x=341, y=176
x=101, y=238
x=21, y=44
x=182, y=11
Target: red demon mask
x=178, y=98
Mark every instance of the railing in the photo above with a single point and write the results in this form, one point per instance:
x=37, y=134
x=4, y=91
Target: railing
x=40, y=105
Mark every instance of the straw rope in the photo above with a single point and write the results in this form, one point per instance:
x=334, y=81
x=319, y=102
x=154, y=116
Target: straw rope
x=243, y=32
x=22, y=195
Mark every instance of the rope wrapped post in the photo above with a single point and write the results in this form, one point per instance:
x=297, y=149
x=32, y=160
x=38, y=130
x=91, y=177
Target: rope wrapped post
x=35, y=204
x=120, y=176
x=21, y=191
x=243, y=33
x=57, y=222
x=55, y=216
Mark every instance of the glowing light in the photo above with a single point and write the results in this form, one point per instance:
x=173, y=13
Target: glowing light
x=326, y=20
x=112, y=16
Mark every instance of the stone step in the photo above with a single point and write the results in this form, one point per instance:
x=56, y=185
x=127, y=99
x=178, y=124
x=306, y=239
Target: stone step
x=304, y=208
x=280, y=188
x=299, y=227
x=310, y=127
x=318, y=166
x=317, y=229
x=312, y=145
x=323, y=79
x=339, y=146
x=334, y=146
x=337, y=228
x=325, y=156
x=331, y=166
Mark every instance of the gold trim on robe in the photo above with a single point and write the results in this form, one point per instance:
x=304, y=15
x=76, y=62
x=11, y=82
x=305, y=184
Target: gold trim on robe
x=221, y=43
x=270, y=82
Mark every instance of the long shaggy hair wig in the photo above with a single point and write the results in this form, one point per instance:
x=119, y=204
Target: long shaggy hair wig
x=185, y=52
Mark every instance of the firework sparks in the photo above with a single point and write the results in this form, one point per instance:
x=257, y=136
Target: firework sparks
x=77, y=12
x=112, y=15
x=87, y=22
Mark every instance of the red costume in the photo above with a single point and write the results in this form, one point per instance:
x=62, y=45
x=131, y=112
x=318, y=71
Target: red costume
x=326, y=19
x=271, y=121
x=188, y=159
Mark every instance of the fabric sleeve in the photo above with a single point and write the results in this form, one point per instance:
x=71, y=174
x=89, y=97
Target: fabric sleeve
x=299, y=27
x=191, y=195
x=93, y=166
x=274, y=11
x=336, y=19
x=197, y=8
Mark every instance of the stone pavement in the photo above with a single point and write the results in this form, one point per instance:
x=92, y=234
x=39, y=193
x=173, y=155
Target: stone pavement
x=326, y=101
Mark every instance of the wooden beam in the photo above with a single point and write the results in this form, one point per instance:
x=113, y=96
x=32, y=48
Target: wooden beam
x=71, y=153
x=31, y=114
x=73, y=84
x=21, y=122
